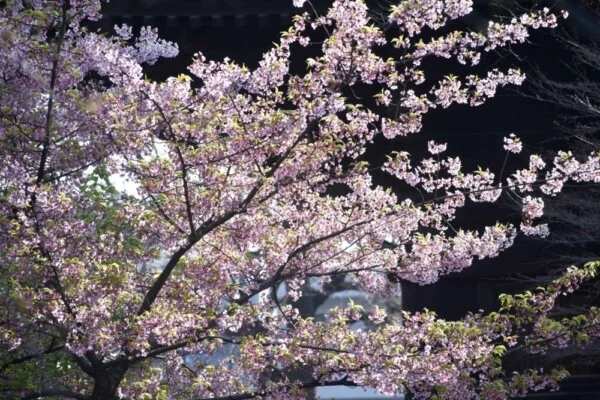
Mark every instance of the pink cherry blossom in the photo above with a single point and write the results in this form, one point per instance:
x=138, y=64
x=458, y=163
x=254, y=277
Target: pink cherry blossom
x=513, y=144
x=148, y=228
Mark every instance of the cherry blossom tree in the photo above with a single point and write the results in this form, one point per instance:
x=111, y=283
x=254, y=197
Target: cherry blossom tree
x=230, y=169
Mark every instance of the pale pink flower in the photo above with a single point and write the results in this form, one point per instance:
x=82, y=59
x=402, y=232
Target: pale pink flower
x=513, y=144
x=436, y=148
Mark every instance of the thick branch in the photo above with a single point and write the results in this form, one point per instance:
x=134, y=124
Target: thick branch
x=158, y=284
x=210, y=225
x=53, y=393
x=30, y=357
x=278, y=275
x=156, y=352
x=345, y=381
x=49, y=111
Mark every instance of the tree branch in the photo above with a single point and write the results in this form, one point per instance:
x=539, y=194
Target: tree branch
x=345, y=381
x=53, y=393
x=184, y=168
x=306, y=246
x=49, y=111
x=210, y=225
x=30, y=357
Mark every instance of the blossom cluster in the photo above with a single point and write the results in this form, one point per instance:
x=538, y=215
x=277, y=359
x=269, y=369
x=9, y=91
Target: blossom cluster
x=230, y=182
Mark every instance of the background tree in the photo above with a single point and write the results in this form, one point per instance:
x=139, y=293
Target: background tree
x=226, y=175
x=577, y=105
x=572, y=92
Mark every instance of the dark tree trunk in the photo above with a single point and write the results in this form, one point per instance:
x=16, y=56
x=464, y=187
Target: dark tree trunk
x=107, y=382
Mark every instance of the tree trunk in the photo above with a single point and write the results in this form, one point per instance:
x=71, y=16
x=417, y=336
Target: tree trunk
x=107, y=382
